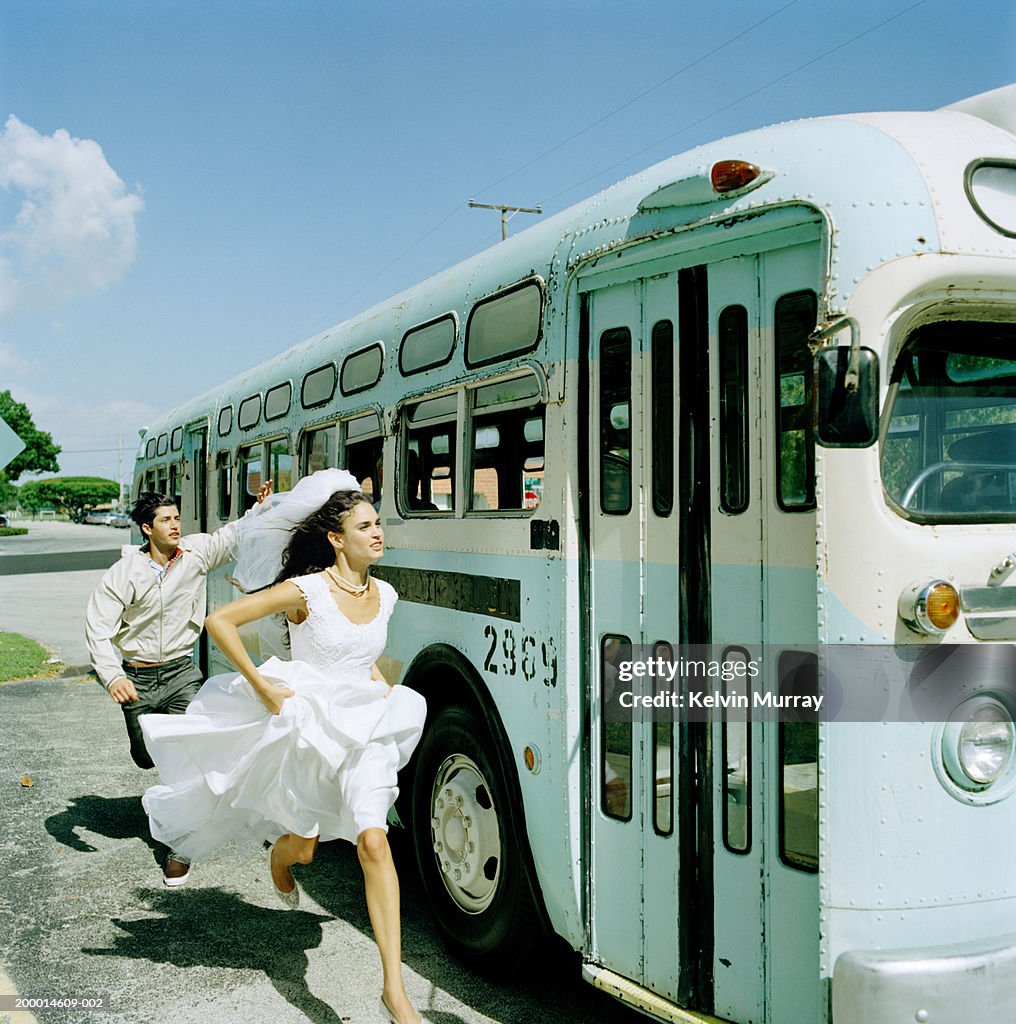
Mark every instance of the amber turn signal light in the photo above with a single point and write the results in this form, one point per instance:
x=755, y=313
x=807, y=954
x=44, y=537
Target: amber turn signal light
x=730, y=175
x=929, y=606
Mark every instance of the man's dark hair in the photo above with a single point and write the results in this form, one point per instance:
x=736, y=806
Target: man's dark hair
x=148, y=503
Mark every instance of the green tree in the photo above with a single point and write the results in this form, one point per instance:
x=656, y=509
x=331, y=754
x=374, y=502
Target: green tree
x=8, y=493
x=39, y=455
x=73, y=493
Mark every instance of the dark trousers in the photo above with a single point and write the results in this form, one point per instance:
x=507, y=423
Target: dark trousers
x=164, y=689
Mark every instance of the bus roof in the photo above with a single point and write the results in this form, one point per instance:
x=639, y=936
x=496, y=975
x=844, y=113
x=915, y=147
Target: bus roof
x=839, y=165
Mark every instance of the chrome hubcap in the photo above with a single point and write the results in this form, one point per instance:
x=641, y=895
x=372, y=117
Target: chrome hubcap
x=465, y=833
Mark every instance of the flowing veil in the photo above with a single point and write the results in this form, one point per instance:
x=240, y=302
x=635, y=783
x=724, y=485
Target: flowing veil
x=265, y=534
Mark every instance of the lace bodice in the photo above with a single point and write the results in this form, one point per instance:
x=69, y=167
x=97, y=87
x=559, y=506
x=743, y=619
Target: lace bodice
x=328, y=641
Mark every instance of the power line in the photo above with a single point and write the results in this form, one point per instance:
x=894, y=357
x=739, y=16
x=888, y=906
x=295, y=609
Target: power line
x=86, y=451
x=641, y=95
x=740, y=99
x=326, y=317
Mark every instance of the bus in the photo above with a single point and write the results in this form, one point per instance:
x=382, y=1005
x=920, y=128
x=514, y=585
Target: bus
x=761, y=393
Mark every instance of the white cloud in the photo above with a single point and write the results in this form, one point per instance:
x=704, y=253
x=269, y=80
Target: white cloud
x=75, y=229
x=98, y=438
x=11, y=364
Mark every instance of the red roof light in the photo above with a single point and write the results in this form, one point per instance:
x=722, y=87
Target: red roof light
x=731, y=175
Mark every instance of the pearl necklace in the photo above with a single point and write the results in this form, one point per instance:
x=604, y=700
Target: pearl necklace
x=352, y=588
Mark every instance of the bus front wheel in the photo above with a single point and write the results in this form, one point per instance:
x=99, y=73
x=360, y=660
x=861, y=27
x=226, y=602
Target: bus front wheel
x=467, y=843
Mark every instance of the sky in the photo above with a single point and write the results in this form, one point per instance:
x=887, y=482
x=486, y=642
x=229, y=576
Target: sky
x=188, y=188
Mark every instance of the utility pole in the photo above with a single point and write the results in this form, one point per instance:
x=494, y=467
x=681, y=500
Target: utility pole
x=504, y=212
x=119, y=471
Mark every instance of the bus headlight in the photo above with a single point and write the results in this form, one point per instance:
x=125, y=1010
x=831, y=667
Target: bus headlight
x=978, y=744
x=986, y=744
x=929, y=606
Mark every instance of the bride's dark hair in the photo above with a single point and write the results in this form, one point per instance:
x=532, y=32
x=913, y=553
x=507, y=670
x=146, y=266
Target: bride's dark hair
x=308, y=550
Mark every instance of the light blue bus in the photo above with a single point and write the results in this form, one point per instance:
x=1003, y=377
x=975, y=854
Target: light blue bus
x=761, y=393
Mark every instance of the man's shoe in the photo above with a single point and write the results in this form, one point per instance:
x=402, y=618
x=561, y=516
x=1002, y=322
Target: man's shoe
x=175, y=872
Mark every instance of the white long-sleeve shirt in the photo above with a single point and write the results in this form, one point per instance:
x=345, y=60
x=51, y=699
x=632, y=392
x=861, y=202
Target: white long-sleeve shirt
x=133, y=615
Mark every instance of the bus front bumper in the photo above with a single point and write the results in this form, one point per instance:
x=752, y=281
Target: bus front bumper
x=956, y=984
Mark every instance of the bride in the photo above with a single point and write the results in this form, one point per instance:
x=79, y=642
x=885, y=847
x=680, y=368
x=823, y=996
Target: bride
x=303, y=750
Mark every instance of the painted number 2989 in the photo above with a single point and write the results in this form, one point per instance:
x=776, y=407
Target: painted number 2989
x=509, y=656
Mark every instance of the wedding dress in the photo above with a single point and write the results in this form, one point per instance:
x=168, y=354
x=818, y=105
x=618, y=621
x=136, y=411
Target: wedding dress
x=234, y=775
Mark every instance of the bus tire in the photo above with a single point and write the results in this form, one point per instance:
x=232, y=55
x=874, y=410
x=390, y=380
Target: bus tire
x=469, y=848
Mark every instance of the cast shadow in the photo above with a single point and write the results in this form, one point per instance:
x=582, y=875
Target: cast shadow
x=215, y=929
x=120, y=817
x=549, y=987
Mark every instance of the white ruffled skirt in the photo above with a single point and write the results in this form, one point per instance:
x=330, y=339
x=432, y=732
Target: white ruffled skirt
x=234, y=775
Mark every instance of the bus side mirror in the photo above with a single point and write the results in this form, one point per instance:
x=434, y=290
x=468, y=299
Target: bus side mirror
x=846, y=397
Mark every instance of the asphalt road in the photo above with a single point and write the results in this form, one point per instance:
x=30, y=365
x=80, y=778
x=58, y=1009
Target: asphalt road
x=83, y=912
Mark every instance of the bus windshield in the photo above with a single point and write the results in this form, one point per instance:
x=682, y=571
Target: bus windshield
x=949, y=453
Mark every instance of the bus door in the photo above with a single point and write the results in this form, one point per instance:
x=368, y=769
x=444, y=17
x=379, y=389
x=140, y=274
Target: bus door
x=738, y=956
x=765, y=937
x=633, y=911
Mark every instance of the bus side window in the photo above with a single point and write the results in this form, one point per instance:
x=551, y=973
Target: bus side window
x=280, y=466
x=222, y=469
x=798, y=745
x=251, y=474
x=364, y=460
x=795, y=315
x=663, y=760
x=615, y=420
x=428, y=470
x=508, y=459
x=174, y=486
x=663, y=417
x=616, y=737
x=736, y=752
x=316, y=449
x=732, y=330
x=363, y=453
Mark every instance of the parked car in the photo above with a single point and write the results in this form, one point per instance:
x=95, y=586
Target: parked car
x=104, y=517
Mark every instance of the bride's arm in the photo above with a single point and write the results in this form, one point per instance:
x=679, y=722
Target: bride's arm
x=223, y=627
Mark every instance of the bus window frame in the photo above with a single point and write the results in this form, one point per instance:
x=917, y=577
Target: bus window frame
x=457, y=420
x=270, y=392
x=451, y=315
x=725, y=723
x=330, y=364
x=249, y=499
x=270, y=463
x=373, y=435
x=623, y=642
x=807, y=427
x=301, y=447
x=537, y=401
x=500, y=357
x=378, y=345
x=223, y=466
x=225, y=411
x=248, y=402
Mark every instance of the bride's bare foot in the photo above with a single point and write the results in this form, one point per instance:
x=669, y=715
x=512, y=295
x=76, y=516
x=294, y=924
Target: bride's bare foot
x=399, y=1009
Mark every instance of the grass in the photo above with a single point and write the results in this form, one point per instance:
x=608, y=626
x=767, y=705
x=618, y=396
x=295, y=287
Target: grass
x=22, y=658
x=12, y=531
